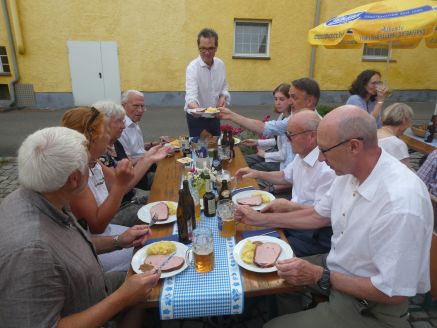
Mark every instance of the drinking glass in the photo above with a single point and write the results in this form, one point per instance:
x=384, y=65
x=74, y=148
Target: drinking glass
x=203, y=250
x=226, y=220
x=196, y=199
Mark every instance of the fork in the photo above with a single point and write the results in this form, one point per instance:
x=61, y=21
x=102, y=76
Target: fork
x=153, y=220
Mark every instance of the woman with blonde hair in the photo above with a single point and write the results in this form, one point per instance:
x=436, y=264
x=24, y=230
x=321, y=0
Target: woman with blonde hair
x=98, y=203
x=396, y=118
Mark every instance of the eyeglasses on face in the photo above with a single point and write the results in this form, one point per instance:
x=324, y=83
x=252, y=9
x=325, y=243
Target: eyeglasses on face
x=210, y=49
x=324, y=151
x=291, y=135
x=139, y=107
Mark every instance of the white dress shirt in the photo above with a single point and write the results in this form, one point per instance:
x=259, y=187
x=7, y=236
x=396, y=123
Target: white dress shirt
x=382, y=228
x=204, y=84
x=132, y=139
x=311, y=178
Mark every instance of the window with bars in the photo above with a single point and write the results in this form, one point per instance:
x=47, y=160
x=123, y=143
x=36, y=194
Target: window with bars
x=251, y=39
x=4, y=62
x=375, y=53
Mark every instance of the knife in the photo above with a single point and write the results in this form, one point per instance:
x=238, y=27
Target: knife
x=165, y=262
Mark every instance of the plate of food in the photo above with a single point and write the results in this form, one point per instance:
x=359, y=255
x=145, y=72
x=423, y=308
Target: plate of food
x=153, y=255
x=175, y=145
x=236, y=141
x=257, y=199
x=260, y=253
x=209, y=112
x=165, y=210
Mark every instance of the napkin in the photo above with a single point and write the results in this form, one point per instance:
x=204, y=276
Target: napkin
x=236, y=191
x=253, y=233
x=171, y=237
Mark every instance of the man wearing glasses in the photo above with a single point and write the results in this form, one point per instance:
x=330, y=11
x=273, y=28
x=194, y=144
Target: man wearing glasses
x=205, y=84
x=311, y=179
x=381, y=218
x=304, y=93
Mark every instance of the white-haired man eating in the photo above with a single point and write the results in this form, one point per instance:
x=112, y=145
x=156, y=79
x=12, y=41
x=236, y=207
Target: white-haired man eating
x=50, y=274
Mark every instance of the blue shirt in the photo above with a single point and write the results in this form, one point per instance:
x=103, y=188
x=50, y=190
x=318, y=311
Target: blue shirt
x=368, y=107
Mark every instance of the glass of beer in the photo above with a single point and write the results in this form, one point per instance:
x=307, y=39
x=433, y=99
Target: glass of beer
x=203, y=250
x=226, y=221
x=196, y=198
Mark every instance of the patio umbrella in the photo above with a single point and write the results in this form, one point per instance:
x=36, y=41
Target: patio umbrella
x=395, y=23
x=400, y=24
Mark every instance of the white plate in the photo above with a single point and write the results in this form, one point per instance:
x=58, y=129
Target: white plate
x=144, y=213
x=236, y=141
x=286, y=252
x=248, y=193
x=202, y=114
x=141, y=254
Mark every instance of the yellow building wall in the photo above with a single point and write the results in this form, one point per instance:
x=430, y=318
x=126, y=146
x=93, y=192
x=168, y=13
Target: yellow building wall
x=157, y=39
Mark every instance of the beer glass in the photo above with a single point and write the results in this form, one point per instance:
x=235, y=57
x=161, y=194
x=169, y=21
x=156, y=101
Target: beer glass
x=203, y=250
x=196, y=198
x=226, y=221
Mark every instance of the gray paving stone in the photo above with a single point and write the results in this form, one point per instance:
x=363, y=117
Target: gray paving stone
x=421, y=324
x=416, y=315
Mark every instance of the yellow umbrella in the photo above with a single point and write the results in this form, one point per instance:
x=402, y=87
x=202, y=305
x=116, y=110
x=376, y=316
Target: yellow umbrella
x=400, y=24
x=391, y=23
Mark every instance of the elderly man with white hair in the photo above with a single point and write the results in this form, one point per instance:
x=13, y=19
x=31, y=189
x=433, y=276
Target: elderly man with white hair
x=132, y=137
x=50, y=274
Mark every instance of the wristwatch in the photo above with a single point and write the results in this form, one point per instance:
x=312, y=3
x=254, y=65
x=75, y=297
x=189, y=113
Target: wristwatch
x=116, y=242
x=325, y=282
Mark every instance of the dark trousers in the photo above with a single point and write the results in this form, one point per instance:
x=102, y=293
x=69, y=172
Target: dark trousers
x=309, y=242
x=197, y=125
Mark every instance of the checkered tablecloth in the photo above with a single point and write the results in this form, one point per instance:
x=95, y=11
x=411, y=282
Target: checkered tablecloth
x=220, y=292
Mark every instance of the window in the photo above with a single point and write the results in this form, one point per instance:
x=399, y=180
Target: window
x=251, y=39
x=375, y=54
x=4, y=62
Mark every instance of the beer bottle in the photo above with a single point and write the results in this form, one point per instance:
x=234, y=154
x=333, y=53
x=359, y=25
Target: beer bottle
x=224, y=192
x=216, y=163
x=231, y=143
x=429, y=134
x=225, y=141
x=209, y=206
x=189, y=201
x=183, y=234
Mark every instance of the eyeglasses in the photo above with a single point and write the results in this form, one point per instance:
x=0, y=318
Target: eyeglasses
x=211, y=49
x=139, y=107
x=291, y=135
x=323, y=151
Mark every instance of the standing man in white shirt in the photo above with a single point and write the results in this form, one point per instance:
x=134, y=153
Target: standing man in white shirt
x=311, y=179
x=205, y=84
x=381, y=218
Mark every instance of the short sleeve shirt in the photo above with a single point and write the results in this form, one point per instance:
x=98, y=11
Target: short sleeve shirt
x=382, y=228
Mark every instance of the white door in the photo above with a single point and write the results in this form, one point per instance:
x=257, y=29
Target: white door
x=94, y=71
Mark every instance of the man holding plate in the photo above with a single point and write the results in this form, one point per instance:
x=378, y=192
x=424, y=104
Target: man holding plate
x=381, y=218
x=206, y=85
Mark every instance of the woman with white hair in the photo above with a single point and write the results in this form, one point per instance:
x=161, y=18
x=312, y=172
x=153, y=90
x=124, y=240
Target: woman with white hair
x=134, y=198
x=396, y=118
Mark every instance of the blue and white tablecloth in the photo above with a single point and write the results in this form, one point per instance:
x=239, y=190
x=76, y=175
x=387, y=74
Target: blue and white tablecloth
x=220, y=292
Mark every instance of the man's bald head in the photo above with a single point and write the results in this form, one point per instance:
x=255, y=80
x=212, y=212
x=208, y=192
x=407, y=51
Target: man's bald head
x=305, y=119
x=348, y=122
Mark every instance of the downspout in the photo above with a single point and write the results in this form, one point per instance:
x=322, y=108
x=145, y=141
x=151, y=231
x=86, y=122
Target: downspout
x=11, y=54
x=313, y=48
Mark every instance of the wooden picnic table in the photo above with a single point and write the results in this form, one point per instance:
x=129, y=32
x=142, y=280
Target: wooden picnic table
x=417, y=143
x=166, y=185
